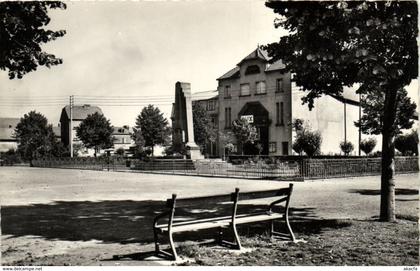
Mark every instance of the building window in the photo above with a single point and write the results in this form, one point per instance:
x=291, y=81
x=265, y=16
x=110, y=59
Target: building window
x=211, y=105
x=261, y=89
x=253, y=69
x=245, y=91
x=277, y=114
x=227, y=92
x=279, y=85
x=228, y=117
x=272, y=147
x=281, y=113
x=285, y=147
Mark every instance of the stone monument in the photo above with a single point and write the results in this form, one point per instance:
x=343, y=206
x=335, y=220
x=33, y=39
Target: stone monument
x=182, y=119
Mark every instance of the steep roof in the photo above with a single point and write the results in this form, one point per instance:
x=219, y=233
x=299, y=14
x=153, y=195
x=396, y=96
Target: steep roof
x=6, y=122
x=256, y=54
x=7, y=128
x=80, y=112
x=204, y=95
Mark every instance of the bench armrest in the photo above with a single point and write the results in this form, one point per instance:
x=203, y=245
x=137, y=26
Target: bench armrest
x=159, y=217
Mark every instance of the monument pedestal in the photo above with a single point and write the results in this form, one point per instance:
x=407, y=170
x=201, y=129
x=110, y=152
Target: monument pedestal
x=194, y=151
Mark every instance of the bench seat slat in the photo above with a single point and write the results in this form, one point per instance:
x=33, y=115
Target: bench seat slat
x=197, y=225
x=257, y=217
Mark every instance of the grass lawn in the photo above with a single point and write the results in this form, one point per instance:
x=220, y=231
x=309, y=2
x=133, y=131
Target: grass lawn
x=328, y=242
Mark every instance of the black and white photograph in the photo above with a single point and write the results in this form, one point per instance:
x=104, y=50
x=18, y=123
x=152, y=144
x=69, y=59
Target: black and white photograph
x=257, y=133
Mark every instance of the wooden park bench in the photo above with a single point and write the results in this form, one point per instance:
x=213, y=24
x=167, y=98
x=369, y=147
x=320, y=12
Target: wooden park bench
x=221, y=211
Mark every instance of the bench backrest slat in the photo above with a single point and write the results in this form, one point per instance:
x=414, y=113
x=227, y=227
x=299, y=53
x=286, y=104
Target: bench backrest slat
x=265, y=194
x=192, y=201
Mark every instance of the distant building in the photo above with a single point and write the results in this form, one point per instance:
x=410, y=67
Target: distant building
x=122, y=137
x=80, y=112
x=7, y=130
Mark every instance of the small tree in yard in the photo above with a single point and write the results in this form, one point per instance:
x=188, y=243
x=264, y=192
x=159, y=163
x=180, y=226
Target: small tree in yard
x=408, y=144
x=204, y=130
x=120, y=151
x=367, y=145
x=306, y=140
x=346, y=147
x=35, y=136
x=95, y=131
x=153, y=126
x=244, y=132
x=370, y=45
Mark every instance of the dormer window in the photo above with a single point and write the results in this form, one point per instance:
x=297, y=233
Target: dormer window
x=253, y=69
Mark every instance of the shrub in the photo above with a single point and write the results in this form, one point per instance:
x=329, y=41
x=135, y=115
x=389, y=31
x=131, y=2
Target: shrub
x=367, y=145
x=10, y=157
x=346, y=147
x=309, y=142
x=408, y=144
x=120, y=151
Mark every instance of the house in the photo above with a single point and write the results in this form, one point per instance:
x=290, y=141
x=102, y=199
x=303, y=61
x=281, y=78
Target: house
x=122, y=137
x=7, y=129
x=79, y=113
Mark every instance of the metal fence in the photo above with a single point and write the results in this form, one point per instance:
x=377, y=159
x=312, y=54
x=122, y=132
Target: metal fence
x=300, y=169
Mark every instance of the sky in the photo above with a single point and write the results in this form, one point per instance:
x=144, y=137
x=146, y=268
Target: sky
x=138, y=49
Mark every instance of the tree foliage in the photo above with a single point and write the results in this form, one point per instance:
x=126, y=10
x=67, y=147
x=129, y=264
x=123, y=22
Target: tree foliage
x=95, y=131
x=22, y=32
x=244, y=132
x=408, y=144
x=346, y=147
x=153, y=126
x=35, y=136
x=335, y=44
x=367, y=145
x=308, y=141
x=373, y=112
x=204, y=129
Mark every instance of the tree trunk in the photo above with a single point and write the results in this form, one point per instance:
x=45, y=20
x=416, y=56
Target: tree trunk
x=388, y=157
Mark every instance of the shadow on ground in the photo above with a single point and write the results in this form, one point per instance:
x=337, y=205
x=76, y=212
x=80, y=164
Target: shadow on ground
x=111, y=221
x=375, y=192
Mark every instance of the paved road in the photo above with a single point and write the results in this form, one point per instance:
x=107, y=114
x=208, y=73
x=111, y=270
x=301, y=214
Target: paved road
x=332, y=198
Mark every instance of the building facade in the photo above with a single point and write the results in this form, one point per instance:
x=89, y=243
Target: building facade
x=265, y=95
x=122, y=137
x=7, y=130
x=79, y=113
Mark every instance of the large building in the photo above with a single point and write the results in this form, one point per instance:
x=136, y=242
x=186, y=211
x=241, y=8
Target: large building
x=261, y=93
x=264, y=94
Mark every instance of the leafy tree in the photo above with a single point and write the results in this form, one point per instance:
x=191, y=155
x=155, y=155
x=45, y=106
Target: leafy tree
x=336, y=44
x=244, y=132
x=139, y=143
x=22, y=33
x=367, y=145
x=204, y=130
x=408, y=144
x=373, y=113
x=35, y=136
x=95, y=131
x=297, y=146
x=346, y=147
x=153, y=126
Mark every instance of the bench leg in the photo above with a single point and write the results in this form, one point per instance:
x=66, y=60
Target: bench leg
x=236, y=236
x=172, y=245
x=289, y=229
x=156, y=238
x=290, y=234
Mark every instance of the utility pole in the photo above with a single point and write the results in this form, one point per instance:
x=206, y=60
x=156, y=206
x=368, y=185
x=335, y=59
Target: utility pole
x=71, y=126
x=345, y=122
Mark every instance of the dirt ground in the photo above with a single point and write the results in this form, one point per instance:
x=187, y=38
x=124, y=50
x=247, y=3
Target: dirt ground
x=75, y=217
